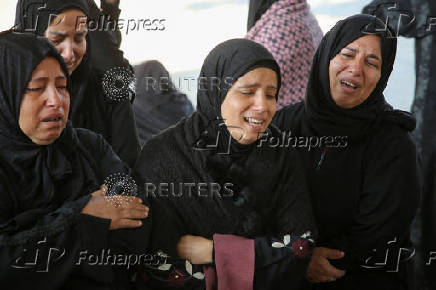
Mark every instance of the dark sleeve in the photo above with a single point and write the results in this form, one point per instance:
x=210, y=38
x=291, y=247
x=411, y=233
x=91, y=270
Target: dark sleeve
x=105, y=21
x=149, y=171
x=108, y=61
x=113, y=12
x=43, y=248
x=288, y=248
x=124, y=134
x=108, y=163
x=386, y=207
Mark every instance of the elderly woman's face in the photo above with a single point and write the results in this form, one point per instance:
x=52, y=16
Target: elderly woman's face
x=45, y=103
x=355, y=71
x=250, y=104
x=67, y=32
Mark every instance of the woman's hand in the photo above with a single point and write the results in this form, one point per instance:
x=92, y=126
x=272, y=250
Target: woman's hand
x=320, y=269
x=195, y=249
x=123, y=211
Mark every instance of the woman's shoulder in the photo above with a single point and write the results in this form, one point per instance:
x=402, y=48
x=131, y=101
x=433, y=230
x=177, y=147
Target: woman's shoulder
x=88, y=137
x=391, y=138
x=288, y=117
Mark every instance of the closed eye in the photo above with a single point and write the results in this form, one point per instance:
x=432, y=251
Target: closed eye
x=347, y=55
x=34, y=89
x=372, y=64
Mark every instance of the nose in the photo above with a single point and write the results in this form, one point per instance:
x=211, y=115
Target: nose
x=260, y=101
x=355, y=66
x=54, y=99
x=67, y=51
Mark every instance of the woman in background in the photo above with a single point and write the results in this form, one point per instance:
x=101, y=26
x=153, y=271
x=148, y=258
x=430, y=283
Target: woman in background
x=101, y=77
x=290, y=32
x=158, y=104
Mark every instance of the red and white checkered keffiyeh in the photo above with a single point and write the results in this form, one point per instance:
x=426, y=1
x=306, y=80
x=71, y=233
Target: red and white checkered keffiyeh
x=291, y=33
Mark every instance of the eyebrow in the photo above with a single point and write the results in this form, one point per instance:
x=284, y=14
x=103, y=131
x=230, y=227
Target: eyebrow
x=54, y=33
x=44, y=79
x=255, y=85
x=371, y=55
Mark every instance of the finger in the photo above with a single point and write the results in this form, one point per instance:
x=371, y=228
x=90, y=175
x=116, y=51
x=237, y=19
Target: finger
x=333, y=254
x=132, y=213
x=104, y=188
x=136, y=205
x=125, y=224
x=98, y=193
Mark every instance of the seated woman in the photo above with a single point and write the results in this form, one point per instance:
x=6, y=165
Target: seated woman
x=101, y=77
x=54, y=218
x=223, y=199
x=359, y=159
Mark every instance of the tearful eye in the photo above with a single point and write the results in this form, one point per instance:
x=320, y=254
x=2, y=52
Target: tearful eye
x=372, y=64
x=33, y=89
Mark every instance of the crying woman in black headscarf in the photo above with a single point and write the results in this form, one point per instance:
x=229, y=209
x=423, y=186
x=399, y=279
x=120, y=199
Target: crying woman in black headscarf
x=102, y=80
x=53, y=213
x=361, y=165
x=230, y=207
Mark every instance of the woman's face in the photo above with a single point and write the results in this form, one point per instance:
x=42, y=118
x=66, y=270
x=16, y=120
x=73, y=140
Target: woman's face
x=67, y=32
x=355, y=71
x=250, y=104
x=45, y=103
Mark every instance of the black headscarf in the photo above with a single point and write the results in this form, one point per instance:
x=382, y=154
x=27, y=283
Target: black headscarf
x=158, y=104
x=256, y=9
x=328, y=118
x=35, y=167
x=34, y=16
x=221, y=68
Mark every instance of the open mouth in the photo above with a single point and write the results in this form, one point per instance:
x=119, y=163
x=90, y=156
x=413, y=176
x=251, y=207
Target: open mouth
x=254, y=121
x=349, y=84
x=52, y=119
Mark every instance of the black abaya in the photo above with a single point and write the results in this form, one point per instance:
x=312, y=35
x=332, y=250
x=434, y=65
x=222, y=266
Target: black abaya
x=267, y=201
x=362, y=172
x=43, y=190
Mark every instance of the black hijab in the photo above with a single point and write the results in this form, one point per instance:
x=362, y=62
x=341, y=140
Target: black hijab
x=221, y=68
x=324, y=115
x=36, y=169
x=34, y=16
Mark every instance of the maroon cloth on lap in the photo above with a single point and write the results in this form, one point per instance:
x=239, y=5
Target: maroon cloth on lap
x=234, y=263
x=211, y=280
